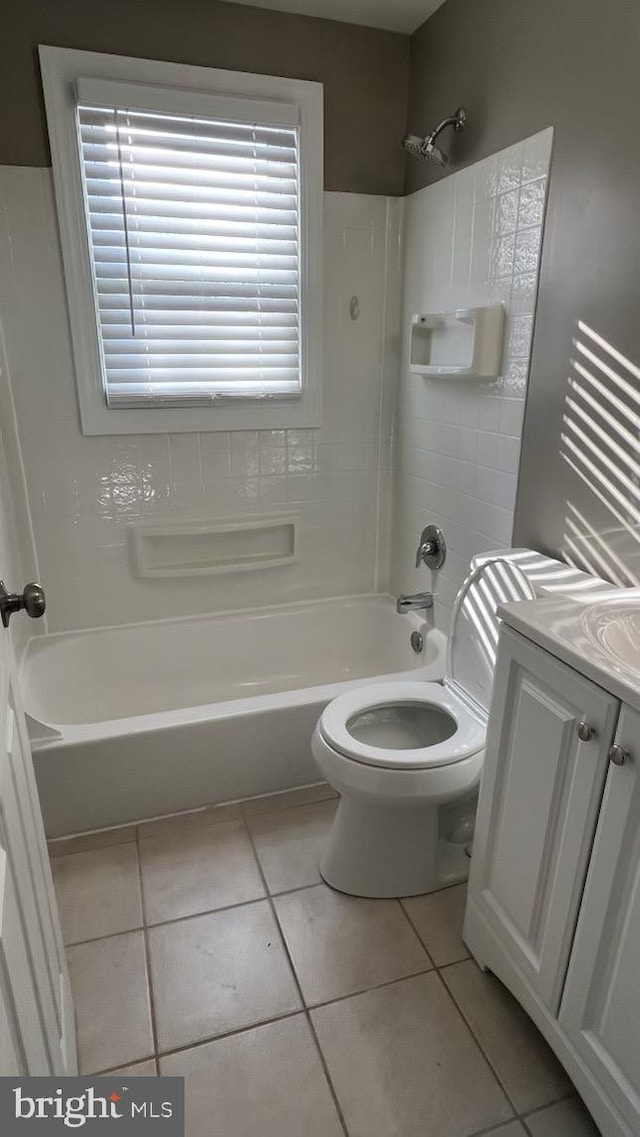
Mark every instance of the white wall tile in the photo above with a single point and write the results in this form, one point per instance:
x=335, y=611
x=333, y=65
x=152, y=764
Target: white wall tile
x=364, y=483
x=83, y=492
x=457, y=445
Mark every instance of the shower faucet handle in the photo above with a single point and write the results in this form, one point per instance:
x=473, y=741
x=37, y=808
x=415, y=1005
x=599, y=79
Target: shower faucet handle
x=432, y=549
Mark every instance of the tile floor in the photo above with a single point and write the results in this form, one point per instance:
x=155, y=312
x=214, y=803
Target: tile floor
x=207, y=946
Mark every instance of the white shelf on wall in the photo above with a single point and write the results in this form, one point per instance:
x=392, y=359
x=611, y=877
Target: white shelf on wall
x=464, y=344
x=209, y=548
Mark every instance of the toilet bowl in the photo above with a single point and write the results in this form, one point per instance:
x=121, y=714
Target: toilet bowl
x=400, y=752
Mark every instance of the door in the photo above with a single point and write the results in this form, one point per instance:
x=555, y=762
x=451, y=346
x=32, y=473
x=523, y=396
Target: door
x=36, y=1011
x=600, y=1009
x=545, y=765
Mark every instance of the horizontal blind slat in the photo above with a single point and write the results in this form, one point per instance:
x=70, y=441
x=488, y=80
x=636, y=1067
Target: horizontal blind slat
x=284, y=239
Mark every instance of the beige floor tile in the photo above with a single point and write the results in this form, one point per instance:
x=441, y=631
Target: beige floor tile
x=266, y=1082
x=217, y=973
x=194, y=819
x=289, y=843
x=438, y=919
x=197, y=870
x=342, y=944
x=138, y=1070
x=304, y=795
x=566, y=1119
x=403, y=1063
x=60, y=846
x=530, y=1072
x=98, y=892
x=109, y=983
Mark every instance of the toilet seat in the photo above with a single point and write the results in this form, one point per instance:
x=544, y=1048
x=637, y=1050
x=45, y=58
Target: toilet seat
x=463, y=696
x=466, y=738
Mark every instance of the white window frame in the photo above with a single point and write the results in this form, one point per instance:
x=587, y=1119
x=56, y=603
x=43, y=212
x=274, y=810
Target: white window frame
x=184, y=86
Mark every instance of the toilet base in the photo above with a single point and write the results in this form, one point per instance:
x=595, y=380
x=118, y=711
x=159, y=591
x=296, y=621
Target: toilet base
x=384, y=851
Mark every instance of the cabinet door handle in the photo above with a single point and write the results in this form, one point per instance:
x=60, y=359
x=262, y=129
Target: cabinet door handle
x=618, y=755
x=585, y=732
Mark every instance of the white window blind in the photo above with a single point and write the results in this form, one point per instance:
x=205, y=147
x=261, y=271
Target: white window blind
x=194, y=235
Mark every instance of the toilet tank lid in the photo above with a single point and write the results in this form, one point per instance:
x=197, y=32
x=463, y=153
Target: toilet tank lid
x=472, y=646
x=549, y=577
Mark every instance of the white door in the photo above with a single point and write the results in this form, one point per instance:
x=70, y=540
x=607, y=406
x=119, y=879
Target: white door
x=541, y=789
x=600, y=1009
x=36, y=1011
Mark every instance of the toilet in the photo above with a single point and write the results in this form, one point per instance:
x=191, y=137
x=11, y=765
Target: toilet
x=406, y=755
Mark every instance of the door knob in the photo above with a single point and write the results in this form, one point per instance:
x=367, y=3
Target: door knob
x=618, y=755
x=585, y=732
x=32, y=600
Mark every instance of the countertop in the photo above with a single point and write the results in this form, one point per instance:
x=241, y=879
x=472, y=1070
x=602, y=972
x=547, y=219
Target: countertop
x=560, y=627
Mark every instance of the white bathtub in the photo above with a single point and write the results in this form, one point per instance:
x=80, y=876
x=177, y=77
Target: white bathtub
x=147, y=719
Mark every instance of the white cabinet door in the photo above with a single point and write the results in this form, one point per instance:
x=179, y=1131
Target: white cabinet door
x=600, y=1009
x=539, y=799
x=36, y=1012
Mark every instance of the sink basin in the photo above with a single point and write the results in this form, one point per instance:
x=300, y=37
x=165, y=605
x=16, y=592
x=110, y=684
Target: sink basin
x=614, y=625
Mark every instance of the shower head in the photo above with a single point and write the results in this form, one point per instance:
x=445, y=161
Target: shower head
x=425, y=148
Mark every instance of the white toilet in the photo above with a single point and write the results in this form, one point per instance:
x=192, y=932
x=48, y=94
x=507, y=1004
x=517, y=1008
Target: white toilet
x=406, y=756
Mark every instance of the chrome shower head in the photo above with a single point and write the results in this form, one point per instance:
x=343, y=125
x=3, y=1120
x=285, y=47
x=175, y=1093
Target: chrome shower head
x=425, y=148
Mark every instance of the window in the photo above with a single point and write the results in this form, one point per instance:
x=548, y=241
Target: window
x=190, y=204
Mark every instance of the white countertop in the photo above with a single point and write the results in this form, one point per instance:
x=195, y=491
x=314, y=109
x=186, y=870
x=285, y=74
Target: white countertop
x=560, y=627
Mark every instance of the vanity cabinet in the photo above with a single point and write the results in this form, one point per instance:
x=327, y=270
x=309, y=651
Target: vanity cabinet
x=546, y=760
x=600, y=1010
x=554, y=890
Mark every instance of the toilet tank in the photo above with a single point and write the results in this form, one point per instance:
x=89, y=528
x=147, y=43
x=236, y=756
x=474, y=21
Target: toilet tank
x=549, y=577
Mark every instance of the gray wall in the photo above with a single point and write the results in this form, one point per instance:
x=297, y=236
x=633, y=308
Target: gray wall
x=519, y=66
x=365, y=71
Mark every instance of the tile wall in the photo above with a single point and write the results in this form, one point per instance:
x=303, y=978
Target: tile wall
x=473, y=238
x=364, y=484
x=83, y=492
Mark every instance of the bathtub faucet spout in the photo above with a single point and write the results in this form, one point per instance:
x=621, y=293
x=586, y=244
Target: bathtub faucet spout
x=419, y=602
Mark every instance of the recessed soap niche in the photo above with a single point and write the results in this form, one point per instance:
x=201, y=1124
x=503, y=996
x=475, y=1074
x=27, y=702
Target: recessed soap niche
x=464, y=344
x=209, y=548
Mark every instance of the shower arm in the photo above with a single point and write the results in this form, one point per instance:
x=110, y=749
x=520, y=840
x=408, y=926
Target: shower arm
x=457, y=121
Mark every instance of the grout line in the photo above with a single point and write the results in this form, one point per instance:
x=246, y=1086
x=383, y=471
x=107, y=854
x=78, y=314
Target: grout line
x=169, y=1053
x=300, y=888
x=306, y=1008
x=283, y=808
x=302, y=1010
x=373, y=987
x=490, y=1130
x=57, y=854
x=416, y=933
x=299, y=988
x=107, y=936
x=477, y=1041
x=112, y=1069
x=520, y=1115
x=197, y=812
x=573, y=1093
x=274, y=914
x=195, y=915
x=323, y=1062
x=147, y=955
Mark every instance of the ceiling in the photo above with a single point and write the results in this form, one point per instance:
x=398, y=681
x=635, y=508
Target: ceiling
x=394, y=15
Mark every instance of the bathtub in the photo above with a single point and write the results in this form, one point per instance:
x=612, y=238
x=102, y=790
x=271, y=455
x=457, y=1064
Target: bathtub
x=146, y=719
